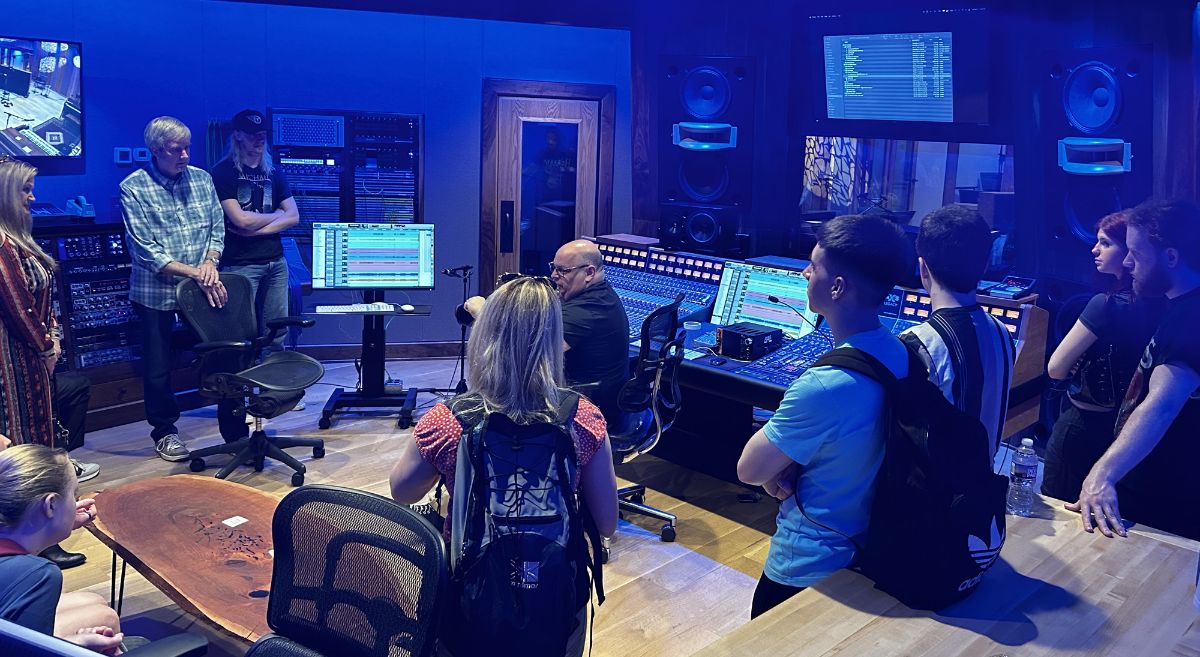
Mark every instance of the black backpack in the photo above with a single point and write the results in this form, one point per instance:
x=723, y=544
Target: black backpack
x=519, y=561
x=937, y=521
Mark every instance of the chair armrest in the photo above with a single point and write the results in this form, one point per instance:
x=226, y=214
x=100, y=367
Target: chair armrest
x=204, y=347
x=178, y=645
x=295, y=320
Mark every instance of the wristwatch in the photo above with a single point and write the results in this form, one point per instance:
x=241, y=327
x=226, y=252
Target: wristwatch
x=216, y=261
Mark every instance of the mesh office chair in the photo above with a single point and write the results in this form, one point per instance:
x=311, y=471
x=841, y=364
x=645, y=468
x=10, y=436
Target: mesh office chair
x=230, y=343
x=354, y=574
x=649, y=402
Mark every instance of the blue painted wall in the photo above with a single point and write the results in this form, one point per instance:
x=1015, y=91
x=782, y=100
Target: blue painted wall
x=202, y=59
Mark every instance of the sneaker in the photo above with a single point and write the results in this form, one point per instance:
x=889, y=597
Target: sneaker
x=85, y=471
x=171, y=448
x=300, y=405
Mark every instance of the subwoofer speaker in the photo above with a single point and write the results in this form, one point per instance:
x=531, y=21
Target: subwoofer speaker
x=706, y=139
x=1096, y=137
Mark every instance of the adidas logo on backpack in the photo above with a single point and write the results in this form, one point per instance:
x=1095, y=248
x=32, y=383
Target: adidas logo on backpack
x=985, y=554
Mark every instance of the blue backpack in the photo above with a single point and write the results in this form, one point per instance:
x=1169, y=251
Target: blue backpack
x=519, y=560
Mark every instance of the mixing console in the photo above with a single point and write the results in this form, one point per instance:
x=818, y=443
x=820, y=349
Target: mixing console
x=783, y=365
x=649, y=278
x=642, y=292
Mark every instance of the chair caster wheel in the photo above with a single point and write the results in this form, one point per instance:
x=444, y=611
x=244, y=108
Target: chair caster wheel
x=298, y=479
x=318, y=452
x=605, y=555
x=197, y=465
x=323, y=423
x=668, y=534
x=637, y=498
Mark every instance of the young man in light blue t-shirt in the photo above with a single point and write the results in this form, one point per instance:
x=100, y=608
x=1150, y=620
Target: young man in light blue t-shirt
x=821, y=451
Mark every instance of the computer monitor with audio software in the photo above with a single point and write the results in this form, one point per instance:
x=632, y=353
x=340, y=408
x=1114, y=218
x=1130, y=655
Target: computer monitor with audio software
x=743, y=296
x=372, y=256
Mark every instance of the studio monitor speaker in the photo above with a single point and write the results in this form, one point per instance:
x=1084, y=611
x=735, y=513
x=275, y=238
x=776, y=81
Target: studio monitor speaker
x=706, y=139
x=1096, y=141
x=700, y=228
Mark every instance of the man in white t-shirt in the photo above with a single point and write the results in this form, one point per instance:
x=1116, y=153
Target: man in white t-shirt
x=968, y=352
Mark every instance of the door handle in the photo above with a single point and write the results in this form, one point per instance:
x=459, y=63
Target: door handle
x=507, y=210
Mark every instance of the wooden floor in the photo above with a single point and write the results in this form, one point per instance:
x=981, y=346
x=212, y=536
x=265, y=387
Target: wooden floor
x=663, y=598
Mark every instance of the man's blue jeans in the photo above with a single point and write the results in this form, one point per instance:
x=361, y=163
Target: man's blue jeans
x=269, y=285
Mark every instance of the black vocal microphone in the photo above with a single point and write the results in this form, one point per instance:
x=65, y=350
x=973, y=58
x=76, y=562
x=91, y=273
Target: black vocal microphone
x=458, y=271
x=774, y=299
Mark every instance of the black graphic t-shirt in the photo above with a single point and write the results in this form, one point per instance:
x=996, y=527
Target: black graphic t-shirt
x=1161, y=491
x=255, y=191
x=1123, y=326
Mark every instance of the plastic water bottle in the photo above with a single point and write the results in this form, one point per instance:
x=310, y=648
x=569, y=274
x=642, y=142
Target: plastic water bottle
x=1022, y=478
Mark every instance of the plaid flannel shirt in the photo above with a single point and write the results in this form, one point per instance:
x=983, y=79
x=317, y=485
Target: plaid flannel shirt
x=168, y=220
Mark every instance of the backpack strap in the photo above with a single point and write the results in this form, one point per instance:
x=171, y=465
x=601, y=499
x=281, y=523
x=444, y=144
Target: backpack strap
x=1010, y=356
x=857, y=360
x=568, y=406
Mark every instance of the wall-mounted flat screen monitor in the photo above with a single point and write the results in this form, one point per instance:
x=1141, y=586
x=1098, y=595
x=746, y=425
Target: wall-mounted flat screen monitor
x=362, y=256
x=41, y=98
x=930, y=67
x=890, y=77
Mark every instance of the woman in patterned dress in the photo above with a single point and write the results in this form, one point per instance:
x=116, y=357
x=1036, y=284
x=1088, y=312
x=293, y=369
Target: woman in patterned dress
x=27, y=349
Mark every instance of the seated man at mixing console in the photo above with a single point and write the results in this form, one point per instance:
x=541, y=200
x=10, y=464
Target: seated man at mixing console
x=968, y=352
x=595, y=326
x=821, y=450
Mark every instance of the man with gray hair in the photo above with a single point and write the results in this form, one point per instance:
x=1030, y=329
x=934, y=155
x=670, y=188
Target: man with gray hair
x=175, y=228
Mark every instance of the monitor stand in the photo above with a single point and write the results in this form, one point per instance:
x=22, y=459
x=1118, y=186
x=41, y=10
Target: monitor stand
x=374, y=392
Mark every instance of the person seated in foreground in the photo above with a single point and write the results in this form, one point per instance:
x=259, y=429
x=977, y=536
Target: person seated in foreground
x=822, y=449
x=38, y=509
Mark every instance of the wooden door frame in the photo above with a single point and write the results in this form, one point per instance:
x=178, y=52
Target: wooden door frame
x=494, y=89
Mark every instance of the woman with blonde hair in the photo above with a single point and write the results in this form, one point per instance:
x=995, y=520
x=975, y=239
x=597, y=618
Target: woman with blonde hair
x=37, y=510
x=28, y=347
x=516, y=369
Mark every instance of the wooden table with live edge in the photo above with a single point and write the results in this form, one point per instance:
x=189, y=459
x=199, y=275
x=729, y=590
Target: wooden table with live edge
x=1056, y=590
x=203, y=541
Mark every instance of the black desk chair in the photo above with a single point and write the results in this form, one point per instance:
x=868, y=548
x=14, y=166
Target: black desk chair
x=230, y=344
x=354, y=574
x=649, y=402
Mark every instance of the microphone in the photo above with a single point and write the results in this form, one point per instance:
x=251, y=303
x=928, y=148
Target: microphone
x=774, y=299
x=458, y=271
